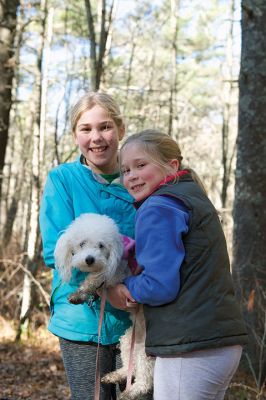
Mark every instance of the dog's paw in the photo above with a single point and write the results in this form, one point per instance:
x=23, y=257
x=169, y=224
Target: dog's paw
x=75, y=298
x=133, y=395
x=113, y=377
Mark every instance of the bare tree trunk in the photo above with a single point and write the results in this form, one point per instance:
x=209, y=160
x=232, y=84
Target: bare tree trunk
x=26, y=304
x=98, y=45
x=11, y=214
x=17, y=139
x=8, y=18
x=65, y=99
x=44, y=84
x=129, y=75
x=249, y=267
x=14, y=191
x=173, y=89
x=33, y=237
x=228, y=152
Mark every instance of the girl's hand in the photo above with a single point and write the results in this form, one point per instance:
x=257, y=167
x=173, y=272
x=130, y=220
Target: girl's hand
x=120, y=297
x=138, y=270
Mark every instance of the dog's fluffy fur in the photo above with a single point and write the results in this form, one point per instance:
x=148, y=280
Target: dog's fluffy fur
x=92, y=243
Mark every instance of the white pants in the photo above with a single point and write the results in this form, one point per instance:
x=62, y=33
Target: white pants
x=198, y=375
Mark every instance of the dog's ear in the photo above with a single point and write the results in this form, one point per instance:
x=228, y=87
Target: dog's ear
x=63, y=257
x=116, y=252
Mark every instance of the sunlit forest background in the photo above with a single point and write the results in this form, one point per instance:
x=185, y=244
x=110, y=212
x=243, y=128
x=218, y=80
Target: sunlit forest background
x=195, y=70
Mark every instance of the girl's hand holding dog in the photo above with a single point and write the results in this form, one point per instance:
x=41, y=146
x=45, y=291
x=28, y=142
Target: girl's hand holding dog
x=120, y=297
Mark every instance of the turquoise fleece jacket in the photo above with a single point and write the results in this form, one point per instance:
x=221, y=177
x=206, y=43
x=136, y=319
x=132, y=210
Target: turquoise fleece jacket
x=70, y=190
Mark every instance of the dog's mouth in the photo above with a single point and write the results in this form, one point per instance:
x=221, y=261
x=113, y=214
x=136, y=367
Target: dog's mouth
x=96, y=268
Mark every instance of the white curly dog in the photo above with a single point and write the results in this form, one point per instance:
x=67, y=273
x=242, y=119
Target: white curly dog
x=92, y=243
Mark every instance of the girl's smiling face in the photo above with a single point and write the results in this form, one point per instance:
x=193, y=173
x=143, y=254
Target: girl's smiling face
x=141, y=175
x=98, y=137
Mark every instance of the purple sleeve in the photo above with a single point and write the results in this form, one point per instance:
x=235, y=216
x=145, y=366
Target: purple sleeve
x=160, y=223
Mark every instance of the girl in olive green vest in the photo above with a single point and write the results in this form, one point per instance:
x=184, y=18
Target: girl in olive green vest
x=193, y=322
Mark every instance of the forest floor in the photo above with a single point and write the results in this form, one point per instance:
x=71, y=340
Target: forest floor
x=33, y=370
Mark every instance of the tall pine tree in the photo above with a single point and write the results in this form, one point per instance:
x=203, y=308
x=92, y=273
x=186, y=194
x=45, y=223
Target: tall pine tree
x=249, y=266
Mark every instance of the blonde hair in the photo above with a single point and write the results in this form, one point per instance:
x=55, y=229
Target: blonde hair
x=161, y=148
x=91, y=99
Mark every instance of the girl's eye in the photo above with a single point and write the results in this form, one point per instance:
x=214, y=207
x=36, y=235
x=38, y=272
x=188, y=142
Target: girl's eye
x=106, y=127
x=101, y=246
x=85, y=130
x=141, y=165
x=125, y=171
x=82, y=244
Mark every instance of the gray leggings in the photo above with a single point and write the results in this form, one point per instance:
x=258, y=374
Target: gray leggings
x=79, y=362
x=199, y=375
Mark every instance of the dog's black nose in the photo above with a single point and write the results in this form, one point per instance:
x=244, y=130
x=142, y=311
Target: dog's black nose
x=89, y=260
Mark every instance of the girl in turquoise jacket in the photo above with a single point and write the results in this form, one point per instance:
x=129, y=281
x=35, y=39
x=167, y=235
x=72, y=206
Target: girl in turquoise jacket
x=90, y=184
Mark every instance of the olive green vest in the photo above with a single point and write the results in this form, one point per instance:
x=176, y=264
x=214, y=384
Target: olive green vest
x=205, y=313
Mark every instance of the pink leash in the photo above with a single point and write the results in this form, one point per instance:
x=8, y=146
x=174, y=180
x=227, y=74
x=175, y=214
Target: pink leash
x=131, y=355
x=97, y=367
